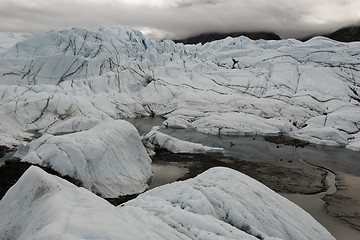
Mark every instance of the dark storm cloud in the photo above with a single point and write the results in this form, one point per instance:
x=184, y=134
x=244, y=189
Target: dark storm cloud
x=181, y=18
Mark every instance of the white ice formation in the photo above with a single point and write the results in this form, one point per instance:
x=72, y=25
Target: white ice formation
x=156, y=139
x=73, y=86
x=108, y=159
x=7, y=40
x=219, y=204
x=54, y=81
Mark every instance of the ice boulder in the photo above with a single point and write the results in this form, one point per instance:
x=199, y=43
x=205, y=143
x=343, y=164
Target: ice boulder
x=156, y=139
x=235, y=199
x=42, y=206
x=108, y=159
x=219, y=204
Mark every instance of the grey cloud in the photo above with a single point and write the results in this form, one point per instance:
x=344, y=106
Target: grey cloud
x=183, y=19
x=190, y=3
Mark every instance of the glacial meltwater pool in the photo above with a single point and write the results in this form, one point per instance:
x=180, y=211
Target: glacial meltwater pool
x=336, y=161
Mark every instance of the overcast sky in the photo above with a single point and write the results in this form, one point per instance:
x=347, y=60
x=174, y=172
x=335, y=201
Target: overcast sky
x=181, y=18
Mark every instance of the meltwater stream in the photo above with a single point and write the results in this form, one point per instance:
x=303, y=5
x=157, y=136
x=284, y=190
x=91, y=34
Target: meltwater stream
x=314, y=205
x=255, y=148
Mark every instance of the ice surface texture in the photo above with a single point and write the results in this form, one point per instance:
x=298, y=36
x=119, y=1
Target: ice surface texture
x=108, y=159
x=219, y=204
x=54, y=81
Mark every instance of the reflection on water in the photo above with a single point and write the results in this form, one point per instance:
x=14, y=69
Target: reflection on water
x=165, y=173
x=6, y=157
x=257, y=149
x=145, y=124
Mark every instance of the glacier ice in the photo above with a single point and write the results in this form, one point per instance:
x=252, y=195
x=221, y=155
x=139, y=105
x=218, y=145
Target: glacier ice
x=108, y=159
x=218, y=204
x=157, y=140
x=304, y=90
x=7, y=40
x=71, y=87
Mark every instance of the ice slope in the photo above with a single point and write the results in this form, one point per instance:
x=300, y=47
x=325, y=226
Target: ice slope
x=218, y=204
x=108, y=159
x=7, y=40
x=41, y=206
x=305, y=90
x=236, y=199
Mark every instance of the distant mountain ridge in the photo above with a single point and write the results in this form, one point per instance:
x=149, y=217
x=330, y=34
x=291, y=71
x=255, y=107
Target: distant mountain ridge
x=346, y=34
x=209, y=37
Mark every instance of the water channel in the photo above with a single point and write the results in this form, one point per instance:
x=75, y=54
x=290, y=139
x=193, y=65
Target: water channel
x=334, y=160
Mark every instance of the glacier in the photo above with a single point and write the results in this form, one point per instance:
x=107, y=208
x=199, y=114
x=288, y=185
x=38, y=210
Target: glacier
x=218, y=204
x=63, y=95
x=54, y=80
x=9, y=39
x=108, y=159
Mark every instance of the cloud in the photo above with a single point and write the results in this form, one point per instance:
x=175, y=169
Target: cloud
x=190, y=3
x=181, y=18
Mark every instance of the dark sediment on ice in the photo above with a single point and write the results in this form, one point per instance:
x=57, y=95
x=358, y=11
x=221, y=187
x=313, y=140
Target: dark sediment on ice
x=286, y=141
x=4, y=150
x=11, y=171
